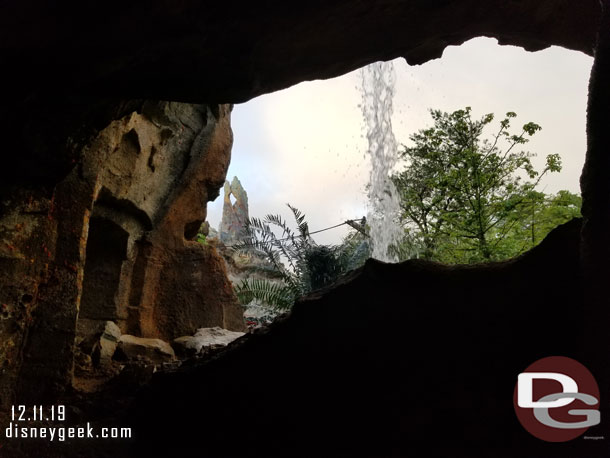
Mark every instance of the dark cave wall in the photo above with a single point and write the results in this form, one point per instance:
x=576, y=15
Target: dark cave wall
x=212, y=51
x=415, y=359
x=24, y=269
x=71, y=70
x=595, y=235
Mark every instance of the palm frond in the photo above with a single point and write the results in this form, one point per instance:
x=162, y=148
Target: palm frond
x=300, y=220
x=309, y=266
x=272, y=294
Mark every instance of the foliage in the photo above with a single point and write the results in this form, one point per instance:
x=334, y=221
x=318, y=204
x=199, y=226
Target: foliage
x=536, y=217
x=309, y=266
x=201, y=238
x=354, y=249
x=465, y=199
x=251, y=289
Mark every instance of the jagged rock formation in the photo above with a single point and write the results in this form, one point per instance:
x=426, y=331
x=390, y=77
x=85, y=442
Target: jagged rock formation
x=113, y=242
x=234, y=215
x=243, y=262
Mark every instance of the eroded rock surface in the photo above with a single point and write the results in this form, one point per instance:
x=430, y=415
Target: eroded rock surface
x=113, y=242
x=204, y=339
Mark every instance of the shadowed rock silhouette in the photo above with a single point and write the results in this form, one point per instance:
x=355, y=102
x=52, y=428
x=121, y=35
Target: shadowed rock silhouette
x=368, y=369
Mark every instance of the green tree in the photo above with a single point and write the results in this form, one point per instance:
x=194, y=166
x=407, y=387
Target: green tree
x=465, y=198
x=536, y=217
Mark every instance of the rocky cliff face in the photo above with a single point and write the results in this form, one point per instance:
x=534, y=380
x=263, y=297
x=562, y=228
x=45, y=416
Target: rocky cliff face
x=114, y=242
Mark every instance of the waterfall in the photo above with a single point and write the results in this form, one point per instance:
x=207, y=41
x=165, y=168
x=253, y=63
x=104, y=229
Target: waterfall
x=377, y=87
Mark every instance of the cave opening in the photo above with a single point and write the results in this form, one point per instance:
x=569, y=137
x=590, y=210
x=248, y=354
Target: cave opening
x=315, y=128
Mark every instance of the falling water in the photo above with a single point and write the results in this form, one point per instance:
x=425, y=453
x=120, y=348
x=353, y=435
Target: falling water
x=377, y=96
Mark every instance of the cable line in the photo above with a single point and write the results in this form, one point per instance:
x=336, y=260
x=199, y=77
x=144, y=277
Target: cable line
x=356, y=224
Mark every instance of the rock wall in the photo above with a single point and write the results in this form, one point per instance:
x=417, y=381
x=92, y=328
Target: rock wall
x=413, y=359
x=66, y=66
x=254, y=49
x=114, y=241
x=595, y=188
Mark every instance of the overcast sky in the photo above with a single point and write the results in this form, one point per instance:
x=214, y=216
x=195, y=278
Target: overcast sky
x=305, y=145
